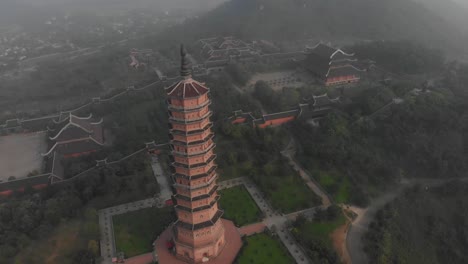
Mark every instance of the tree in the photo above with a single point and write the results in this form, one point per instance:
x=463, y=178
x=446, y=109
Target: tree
x=264, y=93
x=93, y=248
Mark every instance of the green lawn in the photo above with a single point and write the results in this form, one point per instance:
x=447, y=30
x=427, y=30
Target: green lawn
x=264, y=249
x=285, y=188
x=239, y=206
x=335, y=184
x=315, y=236
x=314, y=230
x=136, y=231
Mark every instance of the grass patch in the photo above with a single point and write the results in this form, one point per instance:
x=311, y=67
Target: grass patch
x=320, y=230
x=136, y=231
x=335, y=184
x=315, y=236
x=239, y=206
x=263, y=249
x=285, y=188
x=255, y=153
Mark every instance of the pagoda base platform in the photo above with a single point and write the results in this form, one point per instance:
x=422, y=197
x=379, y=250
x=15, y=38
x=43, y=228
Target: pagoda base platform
x=228, y=253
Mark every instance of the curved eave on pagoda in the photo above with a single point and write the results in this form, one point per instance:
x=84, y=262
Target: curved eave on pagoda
x=193, y=154
x=192, y=132
x=186, y=89
x=194, y=166
x=187, y=109
x=193, y=143
x=197, y=176
x=208, y=223
x=183, y=121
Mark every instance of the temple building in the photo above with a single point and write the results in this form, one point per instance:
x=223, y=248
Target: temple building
x=332, y=66
x=73, y=136
x=316, y=108
x=199, y=234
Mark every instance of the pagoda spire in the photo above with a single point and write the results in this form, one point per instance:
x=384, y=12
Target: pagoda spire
x=185, y=67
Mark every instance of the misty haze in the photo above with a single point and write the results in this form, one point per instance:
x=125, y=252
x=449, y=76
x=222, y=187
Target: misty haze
x=233, y=131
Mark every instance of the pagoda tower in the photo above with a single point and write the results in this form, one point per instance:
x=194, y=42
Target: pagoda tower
x=198, y=233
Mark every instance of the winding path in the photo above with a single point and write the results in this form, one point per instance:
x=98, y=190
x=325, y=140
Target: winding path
x=365, y=216
x=289, y=152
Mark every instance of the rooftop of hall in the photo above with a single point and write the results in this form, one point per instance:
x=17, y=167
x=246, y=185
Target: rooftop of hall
x=327, y=51
x=73, y=126
x=345, y=70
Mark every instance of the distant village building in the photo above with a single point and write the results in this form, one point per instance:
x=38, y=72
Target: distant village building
x=75, y=136
x=332, y=66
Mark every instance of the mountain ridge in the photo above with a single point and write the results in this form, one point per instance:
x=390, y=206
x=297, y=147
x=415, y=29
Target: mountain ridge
x=327, y=20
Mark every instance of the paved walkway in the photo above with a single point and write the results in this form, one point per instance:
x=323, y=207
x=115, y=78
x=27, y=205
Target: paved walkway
x=289, y=152
x=252, y=229
x=141, y=259
x=108, y=250
x=273, y=219
x=165, y=191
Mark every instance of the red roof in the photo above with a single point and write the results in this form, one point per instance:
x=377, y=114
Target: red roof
x=187, y=88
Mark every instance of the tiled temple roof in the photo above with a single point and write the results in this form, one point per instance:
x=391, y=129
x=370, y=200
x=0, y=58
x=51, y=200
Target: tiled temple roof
x=343, y=71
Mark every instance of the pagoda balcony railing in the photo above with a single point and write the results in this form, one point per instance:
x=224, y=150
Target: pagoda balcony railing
x=196, y=186
x=189, y=170
x=190, y=243
x=192, y=132
x=179, y=196
x=194, y=143
x=197, y=176
x=197, y=165
x=189, y=121
x=192, y=154
x=185, y=109
x=206, y=224
x=200, y=208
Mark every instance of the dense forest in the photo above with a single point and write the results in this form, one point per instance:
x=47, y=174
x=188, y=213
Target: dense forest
x=424, y=137
x=400, y=57
x=424, y=225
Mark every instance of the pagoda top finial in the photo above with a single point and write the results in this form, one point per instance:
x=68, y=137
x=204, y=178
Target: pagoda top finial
x=185, y=67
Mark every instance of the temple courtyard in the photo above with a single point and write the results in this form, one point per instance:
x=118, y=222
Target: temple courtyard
x=22, y=154
x=119, y=224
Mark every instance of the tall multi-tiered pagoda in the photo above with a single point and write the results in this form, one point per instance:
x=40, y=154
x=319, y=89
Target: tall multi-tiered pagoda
x=199, y=232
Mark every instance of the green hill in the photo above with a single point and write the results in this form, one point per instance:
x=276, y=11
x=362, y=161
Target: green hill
x=334, y=20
